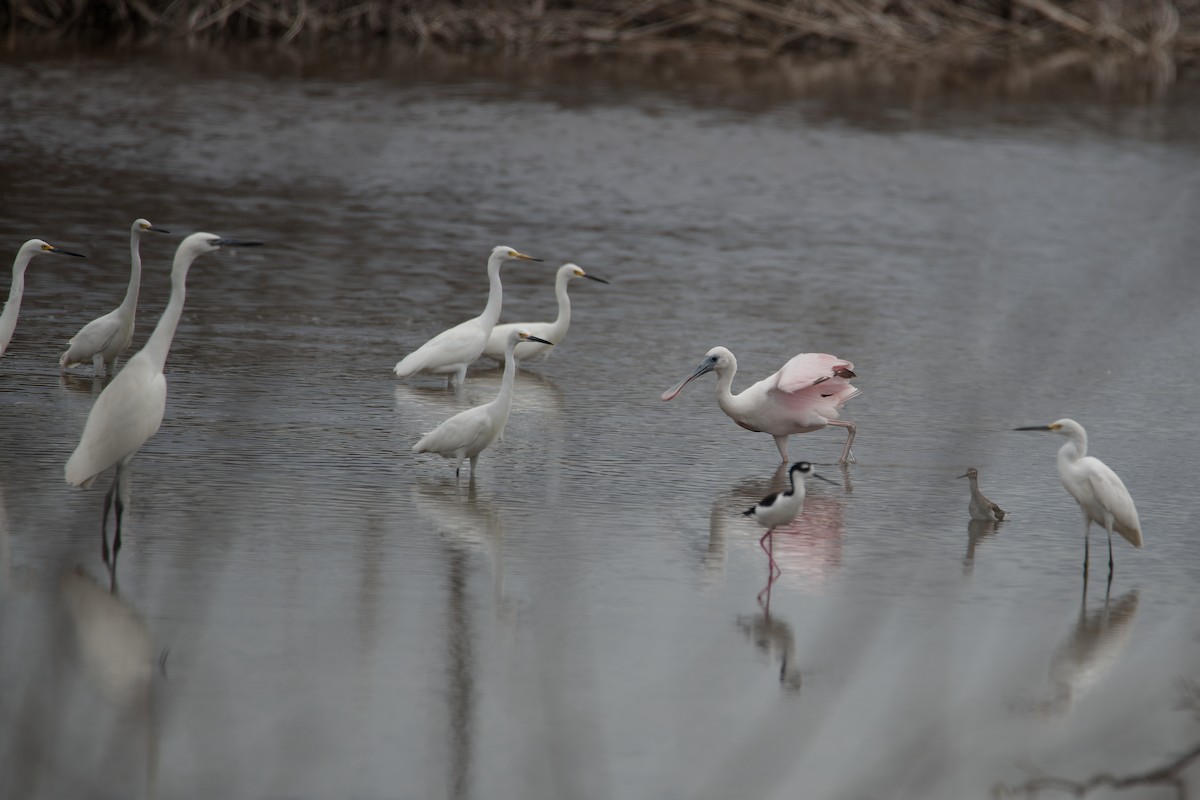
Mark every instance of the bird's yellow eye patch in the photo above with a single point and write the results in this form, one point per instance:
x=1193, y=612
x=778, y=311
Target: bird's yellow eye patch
x=47, y=247
x=1054, y=426
x=579, y=273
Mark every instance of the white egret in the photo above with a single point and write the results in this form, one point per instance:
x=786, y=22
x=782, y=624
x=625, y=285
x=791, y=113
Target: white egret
x=1100, y=494
x=468, y=433
x=452, y=350
x=805, y=395
x=103, y=339
x=980, y=507
x=8, y=318
x=780, y=508
x=553, y=331
x=130, y=409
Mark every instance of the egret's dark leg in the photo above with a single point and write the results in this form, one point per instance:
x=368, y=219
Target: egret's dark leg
x=1109, y=526
x=108, y=500
x=1087, y=531
x=121, y=500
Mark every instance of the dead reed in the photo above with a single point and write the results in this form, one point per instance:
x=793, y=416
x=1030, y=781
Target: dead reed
x=970, y=35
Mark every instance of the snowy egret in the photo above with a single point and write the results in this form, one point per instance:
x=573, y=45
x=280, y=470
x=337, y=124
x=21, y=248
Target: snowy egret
x=468, y=433
x=130, y=409
x=452, y=350
x=780, y=508
x=554, y=331
x=805, y=395
x=981, y=508
x=1100, y=494
x=103, y=339
x=8, y=318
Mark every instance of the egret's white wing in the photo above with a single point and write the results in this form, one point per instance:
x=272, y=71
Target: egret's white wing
x=127, y=413
x=1111, y=494
x=96, y=337
x=461, y=344
x=461, y=432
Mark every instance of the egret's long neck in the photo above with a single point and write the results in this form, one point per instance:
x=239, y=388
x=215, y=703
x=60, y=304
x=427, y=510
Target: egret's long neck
x=8, y=319
x=491, y=312
x=563, y=321
x=129, y=304
x=1075, y=448
x=160, y=341
x=503, y=400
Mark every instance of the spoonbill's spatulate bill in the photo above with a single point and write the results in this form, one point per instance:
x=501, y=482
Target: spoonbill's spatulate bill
x=780, y=508
x=468, y=433
x=130, y=409
x=8, y=318
x=552, y=331
x=980, y=507
x=804, y=396
x=452, y=350
x=103, y=339
x=1100, y=494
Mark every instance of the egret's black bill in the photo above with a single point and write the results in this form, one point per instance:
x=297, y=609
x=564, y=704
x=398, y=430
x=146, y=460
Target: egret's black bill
x=1034, y=428
x=594, y=278
x=536, y=339
x=157, y=230
x=59, y=251
x=236, y=243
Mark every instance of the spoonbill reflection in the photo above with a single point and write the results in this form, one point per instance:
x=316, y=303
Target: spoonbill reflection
x=980, y=507
x=1100, y=494
x=780, y=508
x=8, y=318
x=130, y=409
x=103, y=339
x=452, y=350
x=805, y=395
x=468, y=433
x=553, y=331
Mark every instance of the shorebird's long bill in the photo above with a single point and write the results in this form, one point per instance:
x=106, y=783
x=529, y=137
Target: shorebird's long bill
x=822, y=477
x=1032, y=428
x=967, y=474
x=673, y=392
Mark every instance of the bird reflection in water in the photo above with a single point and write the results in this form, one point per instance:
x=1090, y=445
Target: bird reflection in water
x=977, y=531
x=467, y=519
x=117, y=657
x=773, y=637
x=1094, y=645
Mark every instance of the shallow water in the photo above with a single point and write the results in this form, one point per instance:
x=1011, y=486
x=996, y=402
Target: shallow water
x=342, y=618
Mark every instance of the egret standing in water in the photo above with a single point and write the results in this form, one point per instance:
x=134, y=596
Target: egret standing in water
x=805, y=395
x=980, y=507
x=1100, y=494
x=468, y=433
x=130, y=409
x=8, y=318
x=452, y=350
x=103, y=339
x=780, y=508
x=553, y=331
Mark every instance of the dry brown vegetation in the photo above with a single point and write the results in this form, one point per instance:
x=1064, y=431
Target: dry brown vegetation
x=976, y=35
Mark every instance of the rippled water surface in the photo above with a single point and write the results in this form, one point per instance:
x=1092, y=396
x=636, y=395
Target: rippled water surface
x=305, y=609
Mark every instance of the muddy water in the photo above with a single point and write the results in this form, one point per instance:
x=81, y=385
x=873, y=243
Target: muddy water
x=305, y=609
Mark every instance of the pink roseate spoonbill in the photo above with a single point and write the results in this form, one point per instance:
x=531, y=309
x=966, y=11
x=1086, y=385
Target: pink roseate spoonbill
x=8, y=318
x=804, y=396
x=103, y=339
x=554, y=331
x=1100, y=494
x=130, y=409
x=468, y=433
x=980, y=507
x=780, y=508
x=452, y=350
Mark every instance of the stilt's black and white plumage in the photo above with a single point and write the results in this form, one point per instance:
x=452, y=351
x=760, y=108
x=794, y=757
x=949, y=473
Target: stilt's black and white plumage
x=781, y=508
